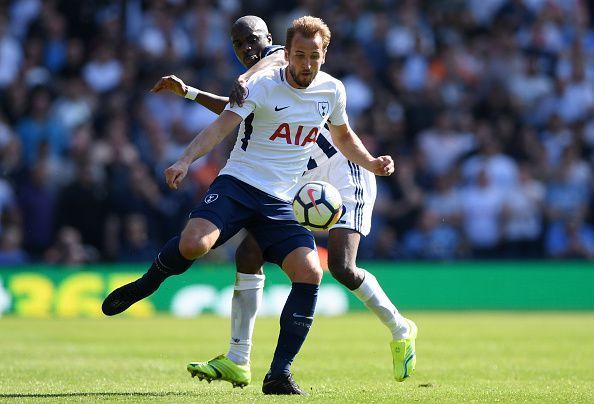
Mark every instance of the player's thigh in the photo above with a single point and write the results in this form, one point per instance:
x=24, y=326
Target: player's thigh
x=302, y=265
x=223, y=208
x=248, y=256
x=198, y=237
x=277, y=232
x=357, y=189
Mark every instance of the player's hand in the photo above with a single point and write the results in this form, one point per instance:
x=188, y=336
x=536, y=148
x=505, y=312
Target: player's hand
x=383, y=166
x=171, y=83
x=175, y=173
x=239, y=92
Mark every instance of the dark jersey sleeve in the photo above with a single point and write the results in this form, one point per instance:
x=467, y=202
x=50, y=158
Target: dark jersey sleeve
x=270, y=49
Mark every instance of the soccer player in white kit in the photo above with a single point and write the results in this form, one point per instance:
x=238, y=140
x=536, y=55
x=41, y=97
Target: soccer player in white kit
x=253, y=47
x=255, y=188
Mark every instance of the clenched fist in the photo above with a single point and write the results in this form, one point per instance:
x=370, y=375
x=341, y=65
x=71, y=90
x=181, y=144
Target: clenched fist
x=171, y=83
x=383, y=166
x=175, y=173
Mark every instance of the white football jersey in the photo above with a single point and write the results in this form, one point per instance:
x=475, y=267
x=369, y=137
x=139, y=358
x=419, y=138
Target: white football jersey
x=323, y=151
x=280, y=126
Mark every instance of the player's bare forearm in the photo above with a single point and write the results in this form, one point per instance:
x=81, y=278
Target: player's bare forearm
x=213, y=102
x=353, y=149
x=211, y=136
x=239, y=91
x=203, y=143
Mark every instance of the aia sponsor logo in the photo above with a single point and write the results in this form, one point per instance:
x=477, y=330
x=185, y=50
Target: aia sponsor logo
x=299, y=139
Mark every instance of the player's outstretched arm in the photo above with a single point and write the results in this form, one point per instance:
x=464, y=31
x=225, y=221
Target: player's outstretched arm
x=213, y=102
x=353, y=149
x=239, y=90
x=203, y=143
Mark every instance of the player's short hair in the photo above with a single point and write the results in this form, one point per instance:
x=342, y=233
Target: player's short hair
x=309, y=26
x=252, y=21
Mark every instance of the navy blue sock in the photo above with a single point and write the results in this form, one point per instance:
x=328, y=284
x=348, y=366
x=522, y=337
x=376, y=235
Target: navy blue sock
x=295, y=321
x=169, y=262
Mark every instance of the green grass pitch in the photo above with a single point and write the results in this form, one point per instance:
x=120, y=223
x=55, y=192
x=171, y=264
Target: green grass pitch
x=462, y=357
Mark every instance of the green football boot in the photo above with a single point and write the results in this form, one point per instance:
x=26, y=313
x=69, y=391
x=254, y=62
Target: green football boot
x=403, y=353
x=222, y=368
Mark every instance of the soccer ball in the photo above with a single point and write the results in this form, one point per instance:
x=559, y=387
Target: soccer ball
x=317, y=205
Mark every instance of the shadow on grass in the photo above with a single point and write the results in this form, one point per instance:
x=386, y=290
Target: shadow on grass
x=94, y=394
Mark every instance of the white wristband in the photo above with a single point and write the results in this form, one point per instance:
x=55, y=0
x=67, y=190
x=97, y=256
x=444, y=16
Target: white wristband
x=192, y=93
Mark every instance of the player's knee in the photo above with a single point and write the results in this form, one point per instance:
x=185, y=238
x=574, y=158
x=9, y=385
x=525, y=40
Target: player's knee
x=303, y=266
x=310, y=274
x=347, y=274
x=193, y=246
x=312, y=270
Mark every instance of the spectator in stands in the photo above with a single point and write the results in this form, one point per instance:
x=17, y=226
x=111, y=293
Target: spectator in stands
x=444, y=199
x=37, y=203
x=567, y=190
x=136, y=245
x=38, y=127
x=68, y=249
x=432, y=239
x=11, y=53
x=82, y=205
x=523, y=217
x=8, y=205
x=442, y=145
x=482, y=209
x=11, y=250
x=104, y=71
x=501, y=169
x=570, y=238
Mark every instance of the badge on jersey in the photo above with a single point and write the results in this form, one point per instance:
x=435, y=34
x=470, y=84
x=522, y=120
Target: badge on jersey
x=323, y=108
x=211, y=198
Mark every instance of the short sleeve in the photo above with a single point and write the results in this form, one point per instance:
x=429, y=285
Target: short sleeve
x=255, y=96
x=338, y=116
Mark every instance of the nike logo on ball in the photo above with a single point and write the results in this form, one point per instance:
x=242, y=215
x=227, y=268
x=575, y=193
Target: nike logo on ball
x=310, y=192
x=280, y=109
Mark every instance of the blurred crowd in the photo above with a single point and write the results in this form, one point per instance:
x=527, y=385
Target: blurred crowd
x=486, y=105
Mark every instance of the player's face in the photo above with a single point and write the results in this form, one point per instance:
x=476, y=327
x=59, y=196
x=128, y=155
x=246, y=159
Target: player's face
x=248, y=43
x=305, y=57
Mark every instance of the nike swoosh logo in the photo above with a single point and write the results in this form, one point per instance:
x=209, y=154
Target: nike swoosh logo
x=280, y=109
x=300, y=316
x=310, y=192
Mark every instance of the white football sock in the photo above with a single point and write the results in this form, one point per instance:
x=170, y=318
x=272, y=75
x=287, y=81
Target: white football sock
x=371, y=293
x=247, y=298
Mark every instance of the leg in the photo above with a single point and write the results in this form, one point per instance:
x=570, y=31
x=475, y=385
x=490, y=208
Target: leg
x=175, y=258
x=248, y=257
x=247, y=297
x=303, y=268
x=342, y=252
x=343, y=245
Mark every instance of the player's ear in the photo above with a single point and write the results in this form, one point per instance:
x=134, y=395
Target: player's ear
x=324, y=56
x=286, y=55
x=269, y=38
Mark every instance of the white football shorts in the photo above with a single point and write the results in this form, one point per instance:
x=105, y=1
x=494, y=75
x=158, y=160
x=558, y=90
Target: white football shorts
x=356, y=186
